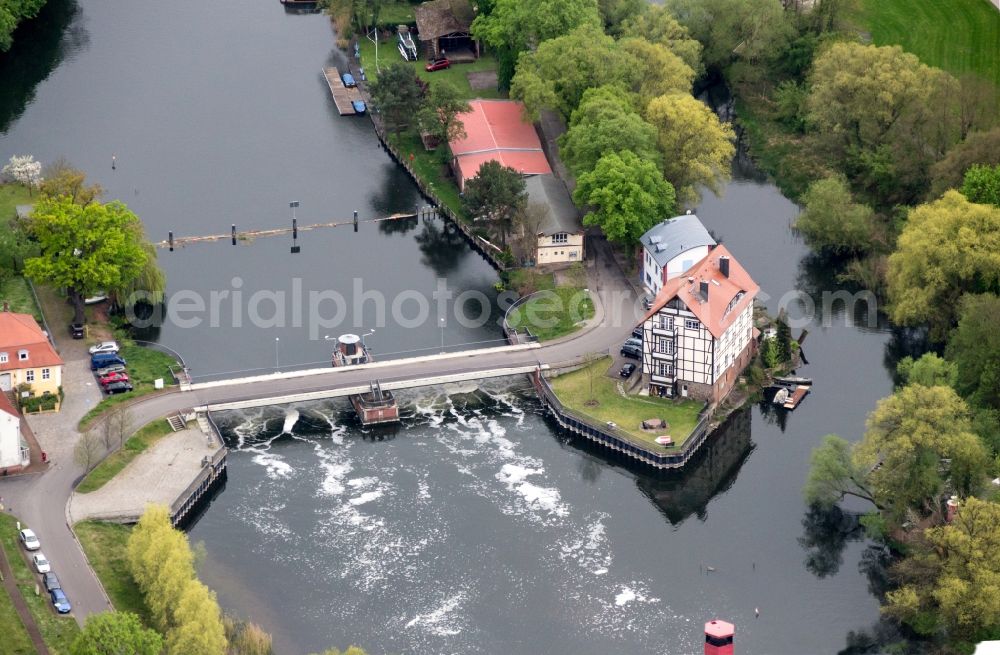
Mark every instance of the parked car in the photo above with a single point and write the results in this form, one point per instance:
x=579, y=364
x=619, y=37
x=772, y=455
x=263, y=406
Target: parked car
x=117, y=387
x=113, y=368
x=103, y=360
x=647, y=303
x=76, y=330
x=29, y=540
x=60, y=602
x=348, y=80
x=632, y=341
x=104, y=347
x=629, y=350
x=51, y=581
x=627, y=370
x=437, y=65
x=637, y=332
x=117, y=376
x=41, y=562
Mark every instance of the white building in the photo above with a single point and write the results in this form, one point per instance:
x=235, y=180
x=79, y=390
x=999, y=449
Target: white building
x=14, y=453
x=671, y=247
x=698, y=335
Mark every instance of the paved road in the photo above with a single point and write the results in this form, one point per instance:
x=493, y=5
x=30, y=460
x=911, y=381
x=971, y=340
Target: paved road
x=41, y=500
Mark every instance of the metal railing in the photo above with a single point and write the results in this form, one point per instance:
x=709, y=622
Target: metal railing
x=618, y=439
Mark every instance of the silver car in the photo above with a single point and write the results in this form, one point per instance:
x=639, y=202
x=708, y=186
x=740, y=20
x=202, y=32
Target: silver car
x=41, y=563
x=29, y=539
x=104, y=347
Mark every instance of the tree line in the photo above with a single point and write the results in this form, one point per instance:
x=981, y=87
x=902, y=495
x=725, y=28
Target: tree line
x=12, y=14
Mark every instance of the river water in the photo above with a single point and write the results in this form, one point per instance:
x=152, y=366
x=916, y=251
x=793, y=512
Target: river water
x=475, y=527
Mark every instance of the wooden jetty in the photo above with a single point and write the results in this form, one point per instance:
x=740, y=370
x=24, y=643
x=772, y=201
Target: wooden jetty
x=796, y=397
x=343, y=96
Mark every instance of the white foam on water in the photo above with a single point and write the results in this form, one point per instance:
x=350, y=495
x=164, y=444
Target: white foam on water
x=366, y=497
x=544, y=498
x=360, y=483
x=291, y=418
x=440, y=621
x=275, y=467
x=626, y=596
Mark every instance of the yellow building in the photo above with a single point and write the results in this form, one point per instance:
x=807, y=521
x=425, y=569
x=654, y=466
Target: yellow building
x=560, y=237
x=27, y=357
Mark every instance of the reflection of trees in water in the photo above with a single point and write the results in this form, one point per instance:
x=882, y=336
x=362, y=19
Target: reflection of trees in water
x=905, y=342
x=398, y=226
x=441, y=245
x=771, y=413
x=396, y=194
x=883, y=636
x=679, y=494
x=825, y=534
x=817, y=277
x=39, y=46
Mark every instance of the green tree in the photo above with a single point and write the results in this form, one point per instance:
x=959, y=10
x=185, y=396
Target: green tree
x=882, y=116
x=497, y=192
x=148, y=286
x=974, y=347
x=930, y=370
x=197, y=628
x=982, y=184
x=783, y=339
x=658, y=71
x=61, y=179
x=832, y=222
x=556, y=75
x=605, y=122
x=85, y=248
x=834, y=475
x=12, y=13
x=947, y=248
x=352, y=650
x=629, y=196
x=917, y=440
x=246, y=638
x=657, y=25
x=950, y=583
x=439, y=115
x=514, y=26
x=398, y=95
x=697, y=149
x=752, y=30
x=116, y=633
x=615, y=12
x=977, y=148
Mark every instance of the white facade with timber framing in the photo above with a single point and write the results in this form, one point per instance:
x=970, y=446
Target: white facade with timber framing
x=698, y=335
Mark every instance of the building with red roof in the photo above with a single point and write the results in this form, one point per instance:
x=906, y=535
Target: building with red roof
x=496, y=130
x=27, y=356
x=14, y=451
x=698, y=335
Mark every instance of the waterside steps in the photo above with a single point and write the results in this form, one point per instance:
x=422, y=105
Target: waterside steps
x=176, y=422
x=343, y=97
x=376, y=405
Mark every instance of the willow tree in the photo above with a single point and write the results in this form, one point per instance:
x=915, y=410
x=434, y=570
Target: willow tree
x=85, y=248
x=146, y=288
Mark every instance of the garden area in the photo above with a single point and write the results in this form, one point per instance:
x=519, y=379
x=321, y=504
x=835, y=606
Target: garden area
x=591, y=393
x=113, y=464
x=106, y=547
x=557, y=309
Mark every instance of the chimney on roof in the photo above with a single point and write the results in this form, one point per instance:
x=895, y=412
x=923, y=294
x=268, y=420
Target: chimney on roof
x=724, y=265
x=703, y=287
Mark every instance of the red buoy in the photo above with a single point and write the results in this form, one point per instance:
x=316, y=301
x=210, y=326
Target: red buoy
x=719, y=637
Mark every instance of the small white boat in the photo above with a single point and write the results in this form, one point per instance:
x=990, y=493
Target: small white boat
x=781, y=396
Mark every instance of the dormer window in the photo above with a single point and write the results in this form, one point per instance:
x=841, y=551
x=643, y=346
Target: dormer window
x=3, y=358
x=22, y=355
x=560, y=237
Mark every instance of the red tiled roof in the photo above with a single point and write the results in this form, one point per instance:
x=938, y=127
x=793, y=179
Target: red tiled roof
x=21, y=332
x=721, y=290
x=497, y=130
x=5, y=406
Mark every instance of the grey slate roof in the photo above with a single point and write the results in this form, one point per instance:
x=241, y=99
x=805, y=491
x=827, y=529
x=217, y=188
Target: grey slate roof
x=23, y=211
x=671, y=237
x=549, y=191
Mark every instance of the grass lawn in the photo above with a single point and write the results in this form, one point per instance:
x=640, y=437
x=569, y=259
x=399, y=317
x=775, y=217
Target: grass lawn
x=106, y=545
x=12, y=195
x=553, y=313
x=57, y=631
x=17, y=292
x=15, y=637
x=573, y=390
x=432, y=167
x=388, y=54
x=956, y=35
x=118, y=460
x=398, y=12
x=144, y=366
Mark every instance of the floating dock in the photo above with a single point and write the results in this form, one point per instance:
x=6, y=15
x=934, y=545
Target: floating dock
x=795, y=397
x=343, y=96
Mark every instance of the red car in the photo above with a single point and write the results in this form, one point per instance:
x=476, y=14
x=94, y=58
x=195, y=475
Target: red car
x=117, y=376
x=437, y=65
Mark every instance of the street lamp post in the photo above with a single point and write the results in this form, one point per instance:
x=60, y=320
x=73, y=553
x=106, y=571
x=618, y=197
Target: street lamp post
x=277, y=367
x=442, y=335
